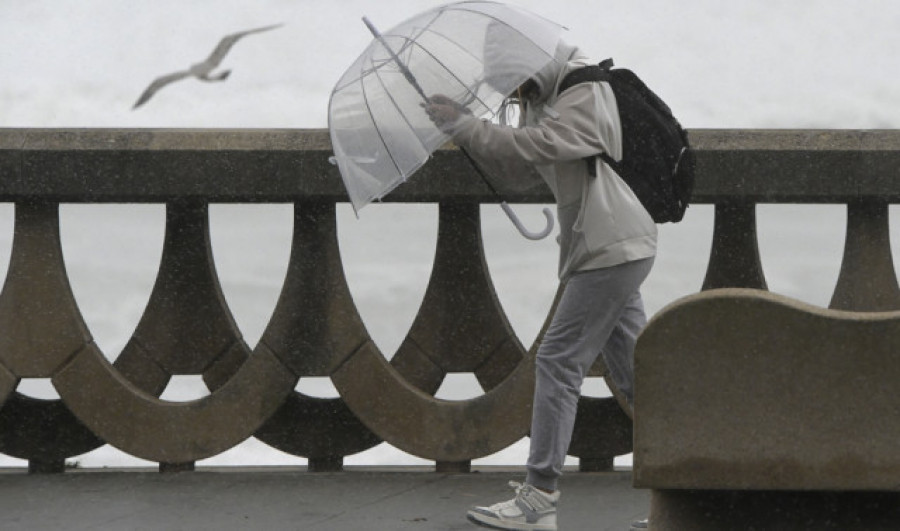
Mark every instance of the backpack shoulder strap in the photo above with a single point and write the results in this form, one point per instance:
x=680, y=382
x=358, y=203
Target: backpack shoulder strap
x=598, y=72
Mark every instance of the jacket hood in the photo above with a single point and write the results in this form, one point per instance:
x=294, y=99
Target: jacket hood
x=510, y=59
x=548, y=78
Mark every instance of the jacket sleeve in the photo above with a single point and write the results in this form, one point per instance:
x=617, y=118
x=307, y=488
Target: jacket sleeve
x=574, y=132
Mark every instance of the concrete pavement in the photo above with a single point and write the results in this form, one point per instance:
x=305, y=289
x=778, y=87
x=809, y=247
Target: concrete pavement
x=291, y=498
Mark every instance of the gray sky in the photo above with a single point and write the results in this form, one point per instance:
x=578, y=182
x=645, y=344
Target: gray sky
x=743, y=63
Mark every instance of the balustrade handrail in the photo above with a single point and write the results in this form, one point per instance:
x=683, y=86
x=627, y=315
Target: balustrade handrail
x=288, y=165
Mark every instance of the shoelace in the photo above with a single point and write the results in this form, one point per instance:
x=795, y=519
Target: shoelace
x=508, y=503
x=527, y=495
x=518, y=487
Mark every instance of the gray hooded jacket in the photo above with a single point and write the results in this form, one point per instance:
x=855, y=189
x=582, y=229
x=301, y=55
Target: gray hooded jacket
x=602, y=223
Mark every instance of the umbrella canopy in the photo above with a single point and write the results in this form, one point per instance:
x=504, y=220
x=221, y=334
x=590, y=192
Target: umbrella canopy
x=379, y=131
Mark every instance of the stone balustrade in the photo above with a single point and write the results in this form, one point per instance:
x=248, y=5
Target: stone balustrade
x=315, y=330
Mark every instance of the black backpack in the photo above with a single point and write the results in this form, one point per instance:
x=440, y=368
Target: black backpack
x=657, y=161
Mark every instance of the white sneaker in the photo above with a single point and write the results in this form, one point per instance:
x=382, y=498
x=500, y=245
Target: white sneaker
x=531, y=509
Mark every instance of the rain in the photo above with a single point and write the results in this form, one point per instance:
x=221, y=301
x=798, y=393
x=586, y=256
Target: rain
x=740, y=64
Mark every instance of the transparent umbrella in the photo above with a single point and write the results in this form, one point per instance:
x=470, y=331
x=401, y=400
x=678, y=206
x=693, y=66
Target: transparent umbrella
x=379, y=131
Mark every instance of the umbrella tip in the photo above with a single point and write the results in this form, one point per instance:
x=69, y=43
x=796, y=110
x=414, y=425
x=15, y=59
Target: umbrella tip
x=371, y=26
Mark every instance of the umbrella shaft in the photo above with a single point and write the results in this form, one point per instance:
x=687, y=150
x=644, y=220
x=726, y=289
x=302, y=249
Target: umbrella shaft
x=480, y=173
x=403, y=68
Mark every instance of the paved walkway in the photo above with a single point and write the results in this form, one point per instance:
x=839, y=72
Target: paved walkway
x=274, y=499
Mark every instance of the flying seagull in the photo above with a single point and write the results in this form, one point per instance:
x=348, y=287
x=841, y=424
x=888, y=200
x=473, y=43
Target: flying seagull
x=202, y=71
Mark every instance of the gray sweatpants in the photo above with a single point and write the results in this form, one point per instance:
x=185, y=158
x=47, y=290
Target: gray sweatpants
x=600, y=312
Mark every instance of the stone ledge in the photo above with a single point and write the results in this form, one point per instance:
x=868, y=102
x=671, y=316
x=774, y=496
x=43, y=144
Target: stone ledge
x=287, y=165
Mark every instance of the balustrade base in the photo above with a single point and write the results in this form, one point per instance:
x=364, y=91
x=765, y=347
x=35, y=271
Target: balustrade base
x=36, y=466
x=173, y=468
x=701, y=510
x=596, y=464
x=453, y=467
x=325, y=464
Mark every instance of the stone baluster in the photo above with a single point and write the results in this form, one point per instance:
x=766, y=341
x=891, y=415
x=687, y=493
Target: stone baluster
x=314, y=328
x=460, y=327
x=40, y=328
x=734, y=257
x=868, y=281
x=186, y=329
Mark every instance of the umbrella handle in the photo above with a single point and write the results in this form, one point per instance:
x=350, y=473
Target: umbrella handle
x=522, y=230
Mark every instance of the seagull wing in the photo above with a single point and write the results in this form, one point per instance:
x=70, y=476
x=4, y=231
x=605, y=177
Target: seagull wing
x=228, y=41
x=159, y=83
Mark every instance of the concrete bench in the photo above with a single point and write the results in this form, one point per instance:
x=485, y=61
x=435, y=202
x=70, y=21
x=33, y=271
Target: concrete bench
x=755, y=411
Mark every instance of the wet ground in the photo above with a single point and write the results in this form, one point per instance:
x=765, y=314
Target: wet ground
x=292, y=498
